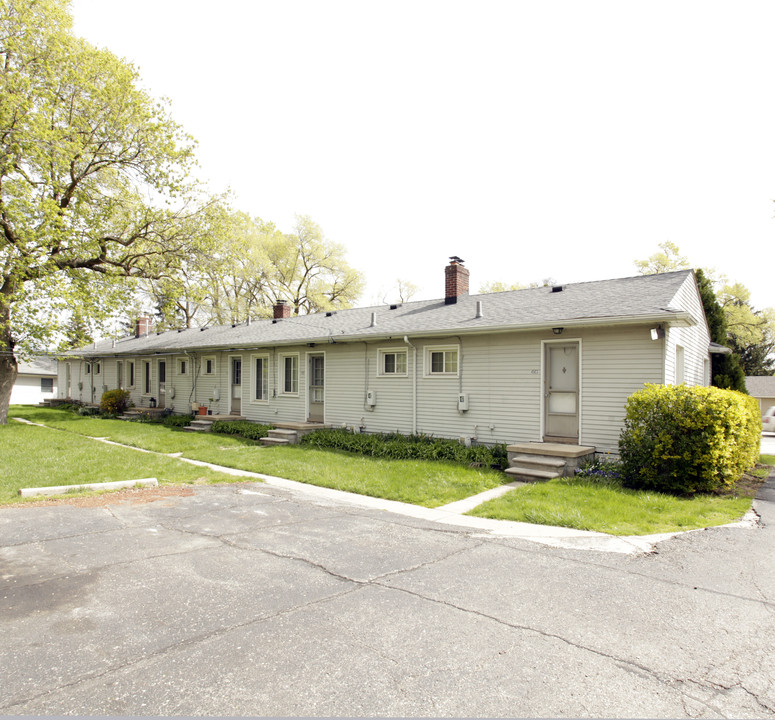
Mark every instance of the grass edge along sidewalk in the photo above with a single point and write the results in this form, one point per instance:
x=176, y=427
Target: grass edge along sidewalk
x=598, y=508
x=424, y=483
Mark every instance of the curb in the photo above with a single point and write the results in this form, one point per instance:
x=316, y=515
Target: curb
x=63, y=489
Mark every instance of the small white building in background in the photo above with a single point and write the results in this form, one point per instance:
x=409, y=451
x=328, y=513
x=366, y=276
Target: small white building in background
x=36, y=382
x=763, y=389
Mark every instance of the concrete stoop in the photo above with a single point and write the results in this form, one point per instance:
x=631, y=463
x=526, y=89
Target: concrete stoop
x=200, y=424
x=289, y=433
x=539, y=462
x=281, y=436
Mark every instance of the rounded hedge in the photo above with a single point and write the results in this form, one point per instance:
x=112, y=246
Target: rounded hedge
x=114, y=402
x=686, y=440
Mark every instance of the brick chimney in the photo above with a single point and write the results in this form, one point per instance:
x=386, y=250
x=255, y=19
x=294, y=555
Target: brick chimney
x=282, y=310
x=143, y=326
x=455, y=280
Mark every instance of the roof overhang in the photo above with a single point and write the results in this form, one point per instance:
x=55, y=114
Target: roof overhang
x=716, y=349
x=669, y=317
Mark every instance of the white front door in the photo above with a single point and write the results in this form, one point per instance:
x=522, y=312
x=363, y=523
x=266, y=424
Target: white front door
x=236, y=386
x=162, y=384
x=561, y=392
x=316, y=388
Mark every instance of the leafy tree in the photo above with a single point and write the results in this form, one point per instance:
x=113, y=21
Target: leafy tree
x=309, y=271
x=93, y=182
x=751, y=332
x=667, y=260
x=406, y=290
x=498, y=286
x=77, y=332
x=726, y=370
x=250, y=265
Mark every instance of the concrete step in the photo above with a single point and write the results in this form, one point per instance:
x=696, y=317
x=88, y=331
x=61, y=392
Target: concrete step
x=270, y=441
x=291, y=436
x=200, y=425
x=538, y=462
x=527, y=474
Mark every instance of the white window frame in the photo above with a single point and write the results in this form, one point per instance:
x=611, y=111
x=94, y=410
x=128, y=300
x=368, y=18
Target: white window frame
x=282, y=359
x=98, y=368
x=87, y=370
x=382, y=353
x=428, y=354
x=214, y=371
x=130, y=374
x=253, y=385
x=180, y=362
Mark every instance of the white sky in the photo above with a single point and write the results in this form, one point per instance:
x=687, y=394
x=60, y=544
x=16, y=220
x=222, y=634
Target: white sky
x=534, y=139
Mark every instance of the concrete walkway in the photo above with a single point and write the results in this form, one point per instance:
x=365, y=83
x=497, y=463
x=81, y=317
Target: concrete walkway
x=453, y=513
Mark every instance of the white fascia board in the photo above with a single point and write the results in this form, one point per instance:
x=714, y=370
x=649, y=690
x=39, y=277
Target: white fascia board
x=670, y=318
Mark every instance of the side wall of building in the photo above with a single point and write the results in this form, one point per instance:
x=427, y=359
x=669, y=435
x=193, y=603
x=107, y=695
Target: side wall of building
x=686, y=351
x=28, y=390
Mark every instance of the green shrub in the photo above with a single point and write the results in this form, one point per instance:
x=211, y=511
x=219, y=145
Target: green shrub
x=243, y=428
x=407, y=447
x=114, y=402
x=683, y=439
x=177, y=420
x=87, y=410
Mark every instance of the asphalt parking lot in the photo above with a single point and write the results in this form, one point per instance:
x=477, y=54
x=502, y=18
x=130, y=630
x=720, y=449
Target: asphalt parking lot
x=248, y=599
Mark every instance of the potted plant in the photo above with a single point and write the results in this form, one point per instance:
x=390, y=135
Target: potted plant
x=202, y=409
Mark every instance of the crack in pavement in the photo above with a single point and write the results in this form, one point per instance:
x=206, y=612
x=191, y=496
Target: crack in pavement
x=769, y=604
x=624, y=663
x=722, y=690
x=172, y=647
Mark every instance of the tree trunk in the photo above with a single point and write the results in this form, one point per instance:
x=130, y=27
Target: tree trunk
x=8, y=366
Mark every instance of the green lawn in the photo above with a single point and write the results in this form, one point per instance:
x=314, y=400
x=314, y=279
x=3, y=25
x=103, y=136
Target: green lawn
x=592, y=505
x=38, y=456
x=425, y=483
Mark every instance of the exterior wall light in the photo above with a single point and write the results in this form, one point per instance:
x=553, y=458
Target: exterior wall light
x=557, y=331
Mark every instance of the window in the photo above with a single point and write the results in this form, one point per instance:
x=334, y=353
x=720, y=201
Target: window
x=120, y=374
x=88, y=368
x=131, y=374
x=290, y=374
x=392, y=362
x=147, y=378
x=182, y=367
x=47, y=385
x=441, y=360
x=98, y=369
x=679, y=365
x=208, y=366
x=260, y=378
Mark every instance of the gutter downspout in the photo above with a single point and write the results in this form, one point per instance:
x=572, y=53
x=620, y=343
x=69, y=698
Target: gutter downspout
x=414, y=386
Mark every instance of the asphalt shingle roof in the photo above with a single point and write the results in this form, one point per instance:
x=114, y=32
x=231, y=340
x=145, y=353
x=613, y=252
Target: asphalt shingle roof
x=38, y=366
x=584, y=303
x=760, y=386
